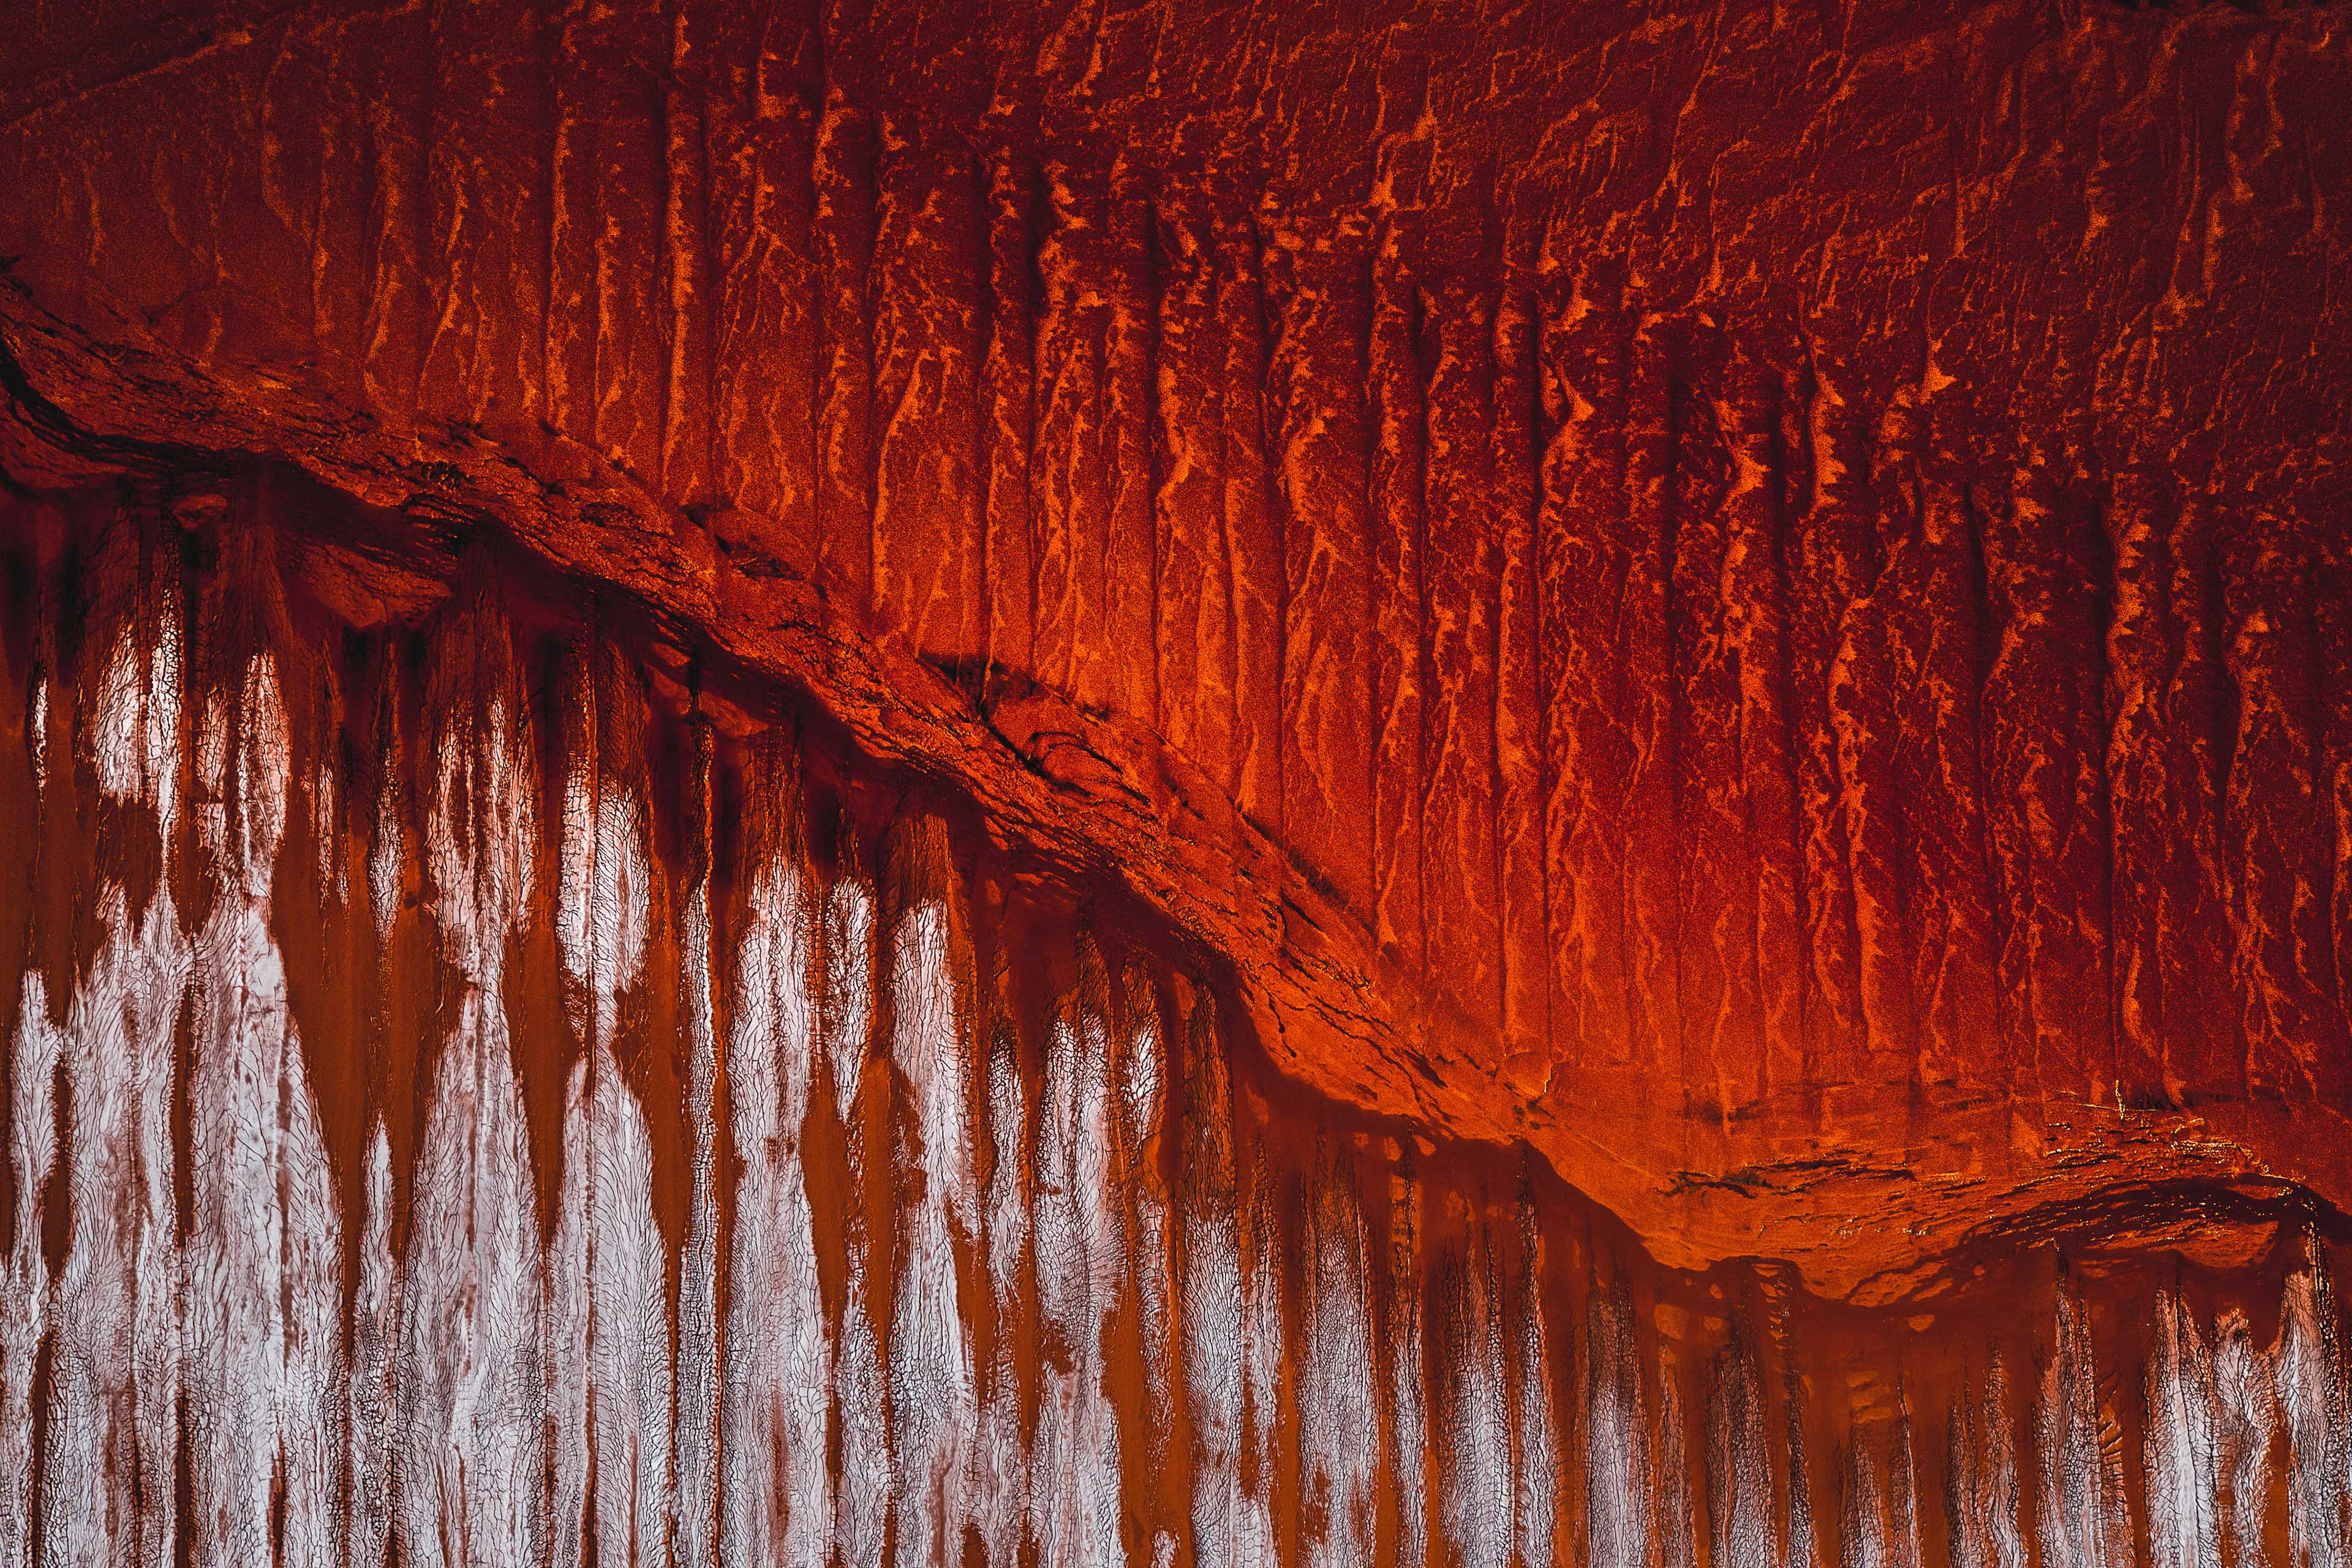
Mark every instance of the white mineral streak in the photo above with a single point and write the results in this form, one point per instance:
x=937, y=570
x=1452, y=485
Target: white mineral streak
x=848, y=982
x=374, y=1389
x=1148, y=1250
x=2310, y=1373
x=1985, y=1496
x=2246, y=1418
x=135, y=741
x=1677, y=1537
x=2183, y=1528
x=629, y=1357
x=1074, y=1480
x=1212, y=1308
x=1905, y=1546
x=326, y=831
x=1001, y=1463
x=1616, y=1433
x=1538, y=1498
x=777, y=1492
x=110, y=1483
x=115, y=1391
x=570, y=1334
x=1475, y=1502
x=1264, y=1352
x=262, y=1333
x=959, y=1394
x=37, y=725
x=863, y=1488
x=1862, y=1523
x=24, y=1271
x=697, y=1278
x=1338, y=1400
x=1739, y=1467
x=471, y=1466
x=608, y=1298
x=601, y=904
x=934, y=1400
x=862, y=1497
x=385, y=850
x=1407, y=1383
x=2081, y=1512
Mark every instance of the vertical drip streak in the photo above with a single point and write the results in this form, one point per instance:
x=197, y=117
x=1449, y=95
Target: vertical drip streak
x=1074, y=1491
x=1984, y=1492
x=2082, y=1517
x=373, y=1382
x=778, y=1505
x=1677, y=1538
x=263, y=1352
x=1211, y=1309
x=135, y=739
x=571, y=1331
x=115, y=1385
x=1339, y=1411
x=1477, y=1496
x=934, y=1404
x=907, y=1341
x=2246, y=1416
x=1263, y=1352
x=697, y=1284
x=1617, y=1468
x=1863, y=1521
x=1139, y=1101
x=609, y=1299
x=1536, y=1457
x=111, y=1488
x=24, y=1271
x=1903, y=1508
x=2183, y=1525
x=863, y=1492
x=2310, y=1373
x=470, y=1474
x=1408, y=1396
x=1739, y=1467
x=1001, y=1469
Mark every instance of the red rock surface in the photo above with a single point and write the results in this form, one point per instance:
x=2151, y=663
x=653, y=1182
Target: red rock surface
x=1757, y=597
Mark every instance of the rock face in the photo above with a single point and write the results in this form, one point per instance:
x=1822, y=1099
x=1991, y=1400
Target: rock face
x=475, y=1096
x=1757, y=598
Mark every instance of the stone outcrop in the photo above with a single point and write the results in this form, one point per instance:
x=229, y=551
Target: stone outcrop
x=1756, y=597
x=472, y=1097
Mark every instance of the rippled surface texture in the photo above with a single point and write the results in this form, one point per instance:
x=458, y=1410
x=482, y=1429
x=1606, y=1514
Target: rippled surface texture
x=475, y=1094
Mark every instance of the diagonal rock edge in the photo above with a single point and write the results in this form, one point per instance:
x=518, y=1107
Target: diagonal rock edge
x=2045, y=292
x=423, y=1015
x=1092, y=796
x=1098, y=799
x=380, y=566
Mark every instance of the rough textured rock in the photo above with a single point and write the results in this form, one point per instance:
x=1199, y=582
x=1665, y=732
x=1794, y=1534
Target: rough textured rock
x=1758, y=597
x=479, y=1097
